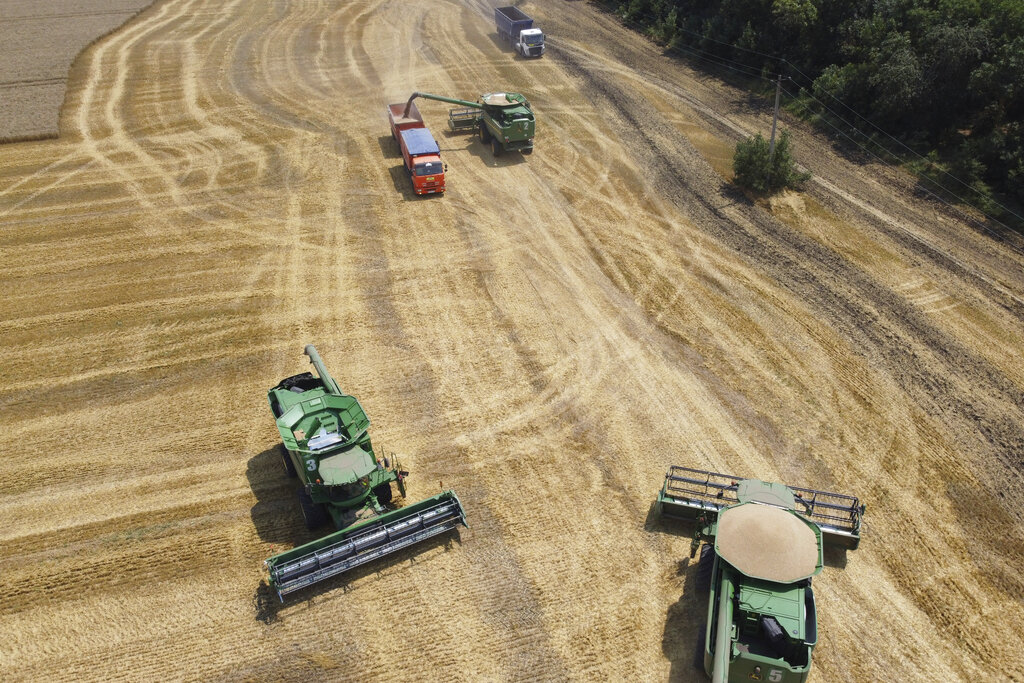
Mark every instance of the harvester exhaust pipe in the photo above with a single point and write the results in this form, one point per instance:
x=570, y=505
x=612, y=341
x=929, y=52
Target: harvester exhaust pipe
x=321, y=370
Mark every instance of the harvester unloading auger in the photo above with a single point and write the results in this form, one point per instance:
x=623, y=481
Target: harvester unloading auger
x=760, y=544
x=504, y=120
x=327, y=446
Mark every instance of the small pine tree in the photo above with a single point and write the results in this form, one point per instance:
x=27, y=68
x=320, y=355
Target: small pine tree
x=756, y=170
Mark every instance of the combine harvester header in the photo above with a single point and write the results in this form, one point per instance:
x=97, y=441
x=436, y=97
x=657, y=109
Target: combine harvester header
x=327, y=446
x=760, y=544
x=688, y=494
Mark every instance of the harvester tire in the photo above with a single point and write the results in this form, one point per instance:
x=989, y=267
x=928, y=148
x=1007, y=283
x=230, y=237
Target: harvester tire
x=485, y=135
x=496, y=149
x=383, y=493
x=313, y=514
x=528, y=150
x=289, y=466
x=698, y=652
x=704, y=566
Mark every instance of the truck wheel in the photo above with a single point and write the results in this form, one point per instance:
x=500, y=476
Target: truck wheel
x=496, y=149
x=289, y=466
x=313, y=514
x=383, y=493
x=485, y=135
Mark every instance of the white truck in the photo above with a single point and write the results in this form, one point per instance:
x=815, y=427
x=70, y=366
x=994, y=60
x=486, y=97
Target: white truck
x=517, y=28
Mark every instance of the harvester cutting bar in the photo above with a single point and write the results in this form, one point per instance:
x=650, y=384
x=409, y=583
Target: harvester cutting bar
x=688, y=493
x=313, y=562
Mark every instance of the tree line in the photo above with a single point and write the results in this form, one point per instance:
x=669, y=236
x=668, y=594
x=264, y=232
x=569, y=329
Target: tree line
x=945, y=78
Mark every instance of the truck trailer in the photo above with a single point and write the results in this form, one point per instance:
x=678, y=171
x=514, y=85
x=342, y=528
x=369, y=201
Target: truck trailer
x=515, y=27
x=420, y=153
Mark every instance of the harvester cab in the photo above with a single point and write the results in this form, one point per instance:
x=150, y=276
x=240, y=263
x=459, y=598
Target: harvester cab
x=327, y=446
x=760, y=545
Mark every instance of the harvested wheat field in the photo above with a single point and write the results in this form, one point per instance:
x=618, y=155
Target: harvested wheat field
x=546, y=339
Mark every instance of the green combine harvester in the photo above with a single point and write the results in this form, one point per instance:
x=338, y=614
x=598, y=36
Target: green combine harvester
x=504, y=120
x=327, y=446
x=759, y=544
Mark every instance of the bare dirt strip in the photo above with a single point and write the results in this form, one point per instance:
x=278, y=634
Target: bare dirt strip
x=546, y=339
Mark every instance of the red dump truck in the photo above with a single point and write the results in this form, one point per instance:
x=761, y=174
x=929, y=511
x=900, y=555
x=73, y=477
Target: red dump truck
x=420, y=152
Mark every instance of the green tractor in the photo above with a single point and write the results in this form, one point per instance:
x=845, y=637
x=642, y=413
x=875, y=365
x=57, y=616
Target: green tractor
x=327, y=447
x=760, y=544
x=504, y=120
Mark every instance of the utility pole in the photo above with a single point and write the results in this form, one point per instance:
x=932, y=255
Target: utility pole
x=775, y=118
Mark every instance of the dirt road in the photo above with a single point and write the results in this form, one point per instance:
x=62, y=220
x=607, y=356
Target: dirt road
x=546, y=339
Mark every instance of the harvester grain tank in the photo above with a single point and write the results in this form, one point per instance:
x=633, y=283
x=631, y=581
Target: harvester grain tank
x=420, y=153
x=760, y=544
x=504, y=120
x=516, y=28
x=327, y=447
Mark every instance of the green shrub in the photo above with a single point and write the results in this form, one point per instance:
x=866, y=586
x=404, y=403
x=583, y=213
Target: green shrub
x=755, y=169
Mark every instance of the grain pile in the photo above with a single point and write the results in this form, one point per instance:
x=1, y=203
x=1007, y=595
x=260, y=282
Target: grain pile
x=767, y=542
x=546, y=339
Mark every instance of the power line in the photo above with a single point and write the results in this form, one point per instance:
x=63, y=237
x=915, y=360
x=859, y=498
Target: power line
x=740, y=66
x=896, y=140
x=953, y=207
x=749, y=70
x=725, y=63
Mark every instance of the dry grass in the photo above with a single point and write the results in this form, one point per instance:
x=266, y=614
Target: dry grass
x=547, y=338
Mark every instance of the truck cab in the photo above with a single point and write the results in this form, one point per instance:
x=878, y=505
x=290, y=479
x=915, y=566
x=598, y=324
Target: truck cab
x=530, y=43
x=427, y=174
